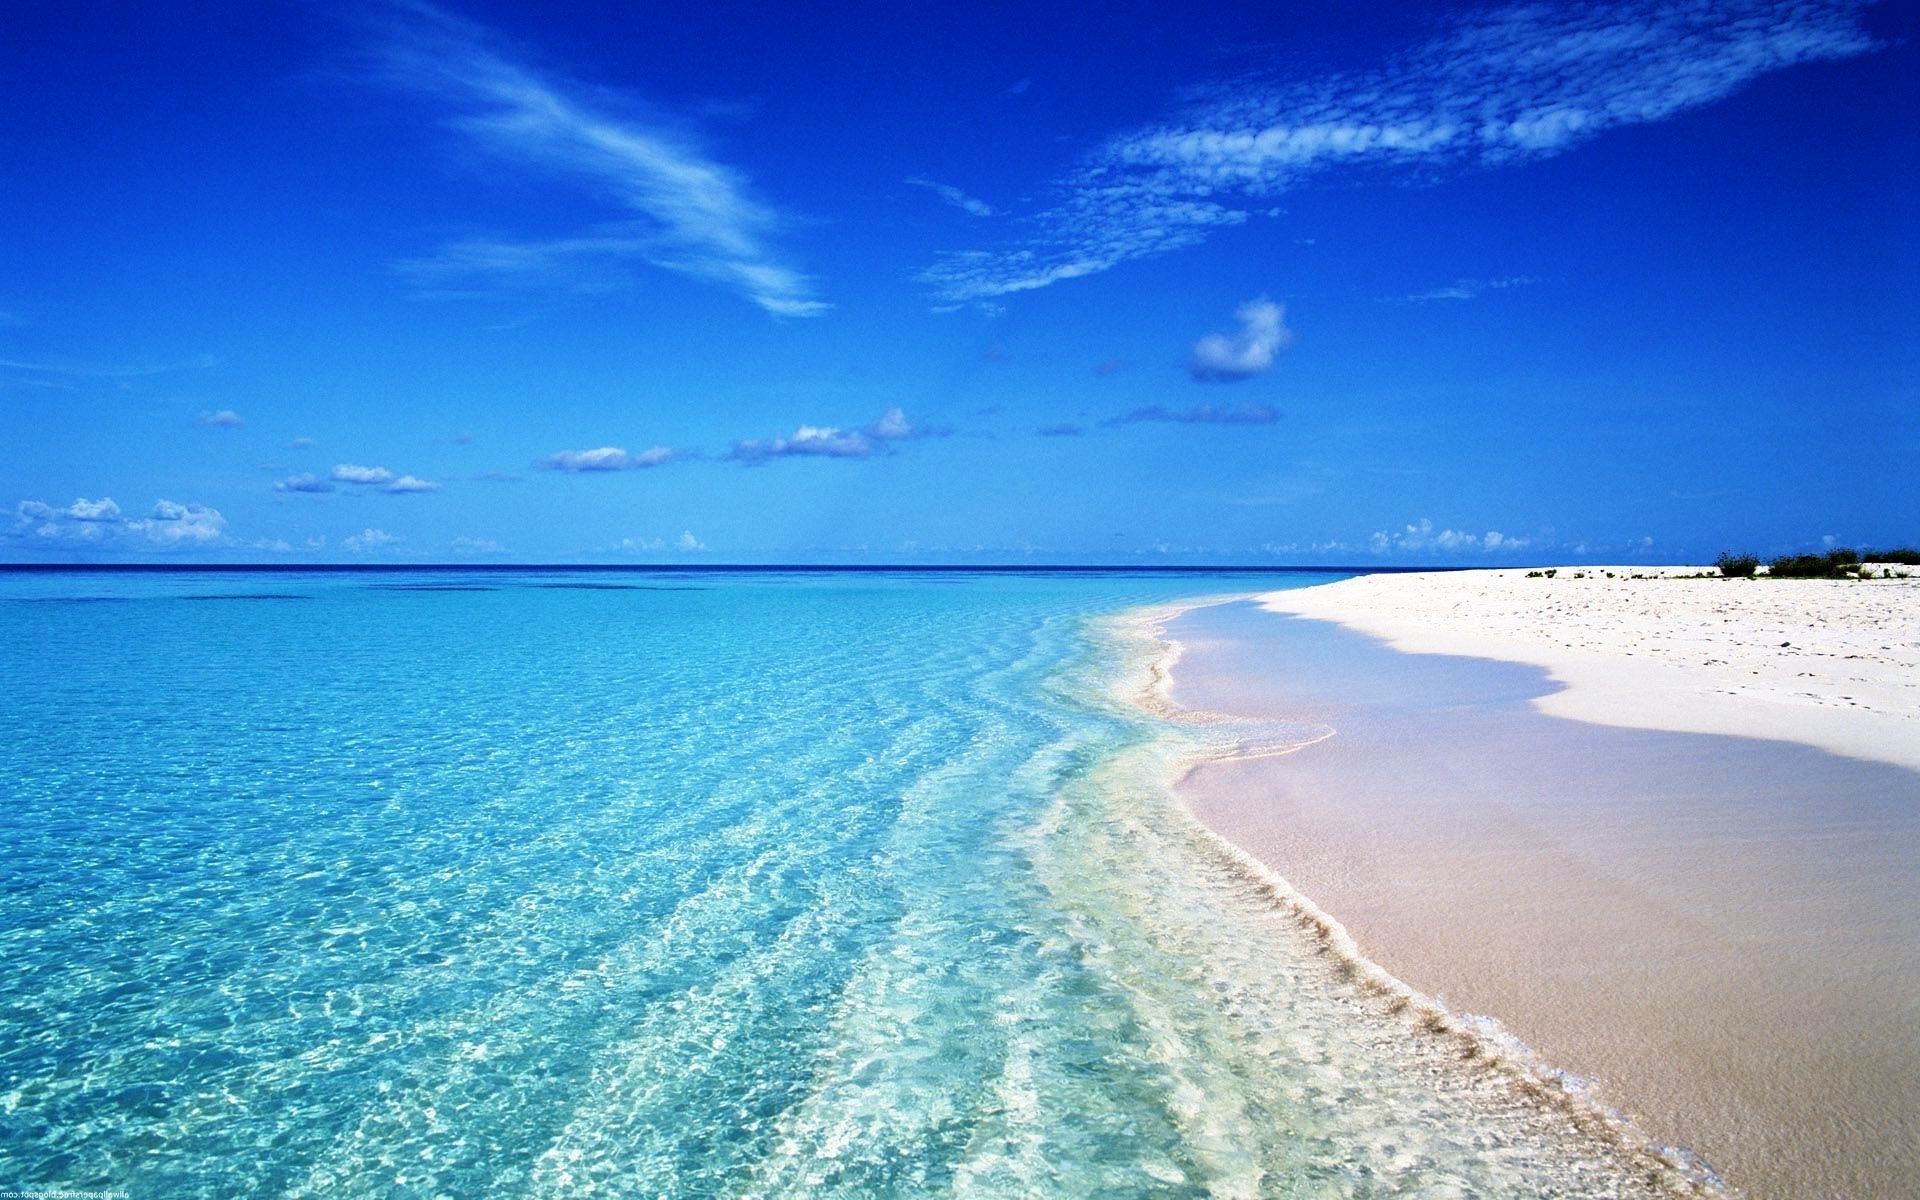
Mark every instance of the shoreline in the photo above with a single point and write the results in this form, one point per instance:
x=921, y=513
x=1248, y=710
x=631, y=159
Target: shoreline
x=1828, y=663
x=1239, y=793
x=1673, y=1170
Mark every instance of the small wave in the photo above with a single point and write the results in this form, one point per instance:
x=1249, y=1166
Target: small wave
x=1478, y=1040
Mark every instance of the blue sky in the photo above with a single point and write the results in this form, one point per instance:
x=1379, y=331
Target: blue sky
x=1261, y=284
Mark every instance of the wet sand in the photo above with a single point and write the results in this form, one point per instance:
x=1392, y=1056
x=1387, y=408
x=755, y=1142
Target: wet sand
x=1721, y=934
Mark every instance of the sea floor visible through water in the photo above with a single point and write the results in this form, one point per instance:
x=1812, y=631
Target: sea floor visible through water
x=688, y=884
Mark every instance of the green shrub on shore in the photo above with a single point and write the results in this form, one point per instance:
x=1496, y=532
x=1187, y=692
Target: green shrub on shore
x=1834, y=564
x=1805, y=566
x=1838, y=563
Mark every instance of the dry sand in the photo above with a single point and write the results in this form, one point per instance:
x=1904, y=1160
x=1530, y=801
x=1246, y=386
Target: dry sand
x=1721, y=934
x=1830, y=663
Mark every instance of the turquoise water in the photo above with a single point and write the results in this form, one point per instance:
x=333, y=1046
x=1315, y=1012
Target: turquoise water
x=498, y=884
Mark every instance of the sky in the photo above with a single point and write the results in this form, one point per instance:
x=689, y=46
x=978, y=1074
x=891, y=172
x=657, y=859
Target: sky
x=1274, y=284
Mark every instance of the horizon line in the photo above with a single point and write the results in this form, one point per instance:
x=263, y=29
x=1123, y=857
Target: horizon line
x=850, y=568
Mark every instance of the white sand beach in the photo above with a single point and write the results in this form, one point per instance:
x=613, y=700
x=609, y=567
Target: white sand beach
x=1830, y=663
x=1721, y=934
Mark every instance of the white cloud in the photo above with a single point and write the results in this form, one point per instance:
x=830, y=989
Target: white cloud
x=180, y=524
x=1526, y=81
x=348, y=473
x=1423, y=536
x=816, y=440
x=607, y=458
x=686, y=543
x=101, y=523
x=891, y=427
x=1200, y=414
x=826, y=441
x=1470, y=289
x=407, y=484
x=471, y=545
x=302, y=443
x=103, y=509
x=303, y=482
x=370, y=539
x=954, y=196
x=1248, y=351
x=225, y=418
x=681, y=209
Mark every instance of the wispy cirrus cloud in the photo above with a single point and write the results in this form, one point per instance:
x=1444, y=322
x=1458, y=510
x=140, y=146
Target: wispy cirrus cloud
x=1469, y=289
x=678, y=208
x=1203, y=414
x=971, y=205
x=608, y=458
x=1505, y=84
x=62, y=369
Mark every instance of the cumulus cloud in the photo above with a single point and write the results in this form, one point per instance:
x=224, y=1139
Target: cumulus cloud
x=954, y=196
x=408, y=483
x=101, y=523
x=370, y=539
x=1203, y=414
x=103, y=509
x=826, y=441
x=679, y=208
x=225, y=418
x=180, y=524
x=1500, y=84
x=891, y=427
x=607, y=458
x=303, y=482
x=686, y=543
x=1246, y=352
x=1424, y=536
x=349, y=473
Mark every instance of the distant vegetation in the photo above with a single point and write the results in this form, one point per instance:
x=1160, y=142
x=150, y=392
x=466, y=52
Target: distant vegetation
x=1834, y=564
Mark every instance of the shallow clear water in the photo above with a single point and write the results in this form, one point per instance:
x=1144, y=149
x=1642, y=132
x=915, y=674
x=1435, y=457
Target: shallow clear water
x=679, y=885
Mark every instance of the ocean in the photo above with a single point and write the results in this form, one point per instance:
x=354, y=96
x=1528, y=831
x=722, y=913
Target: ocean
x=682, y=884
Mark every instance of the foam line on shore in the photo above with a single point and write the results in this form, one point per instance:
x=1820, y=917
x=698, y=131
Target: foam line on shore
x=1147, y=686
